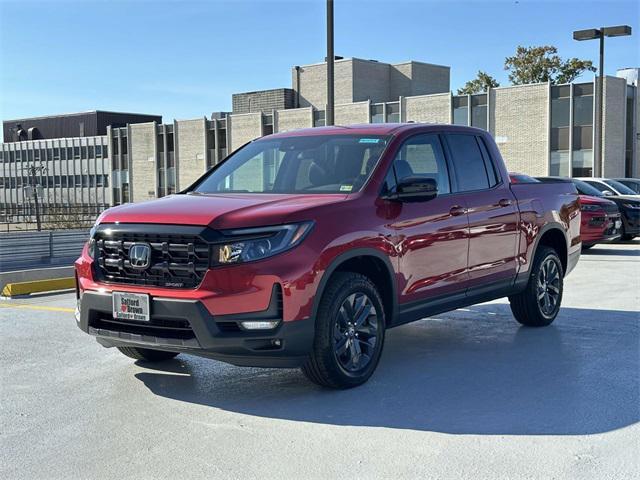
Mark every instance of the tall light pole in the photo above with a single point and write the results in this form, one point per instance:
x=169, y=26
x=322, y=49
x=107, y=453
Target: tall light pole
x=592, y=34
x=329, y=115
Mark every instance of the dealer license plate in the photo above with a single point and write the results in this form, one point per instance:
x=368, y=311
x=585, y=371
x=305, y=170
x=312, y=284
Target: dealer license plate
x=131, y=306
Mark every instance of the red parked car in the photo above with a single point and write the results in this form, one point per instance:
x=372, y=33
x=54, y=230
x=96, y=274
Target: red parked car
x=601, y=221
x=303, y=248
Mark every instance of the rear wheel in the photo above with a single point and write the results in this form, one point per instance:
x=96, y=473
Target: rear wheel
x=147, y=354
x=539, y=304
x=350, y=329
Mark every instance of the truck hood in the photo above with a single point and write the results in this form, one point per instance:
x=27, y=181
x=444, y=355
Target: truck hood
x=220, y=211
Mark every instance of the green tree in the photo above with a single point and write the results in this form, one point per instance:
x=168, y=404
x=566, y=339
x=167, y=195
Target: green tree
x=543, y=64
x=482, y=83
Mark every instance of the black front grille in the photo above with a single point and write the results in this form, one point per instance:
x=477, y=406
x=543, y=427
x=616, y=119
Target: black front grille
x=162, y=328
x=177, y=260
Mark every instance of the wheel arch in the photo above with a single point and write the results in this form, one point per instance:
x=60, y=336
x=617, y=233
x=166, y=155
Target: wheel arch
x=554, y=236
x=372, y=263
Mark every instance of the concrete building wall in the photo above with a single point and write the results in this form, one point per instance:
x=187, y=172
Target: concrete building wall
x=417, y=78
x=143, y=175
x=370, y=81
x=428, y=108
x=244, y=128
x=313, y=83
x=293, y=119
x=519, y=122
x=614, y=119
x=191, y=150
x=263, y=100
x=352, y=113
x=636, y=161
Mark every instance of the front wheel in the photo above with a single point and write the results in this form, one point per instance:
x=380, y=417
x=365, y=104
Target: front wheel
x=146, y=354
x=539, y=304
x=350, y=328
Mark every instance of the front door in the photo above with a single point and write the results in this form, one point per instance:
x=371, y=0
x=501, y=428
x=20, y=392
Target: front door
x=431, y=237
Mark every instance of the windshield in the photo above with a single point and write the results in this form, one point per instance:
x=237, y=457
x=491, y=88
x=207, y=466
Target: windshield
x=620, y=187
x=585, y=189
x=312, y=164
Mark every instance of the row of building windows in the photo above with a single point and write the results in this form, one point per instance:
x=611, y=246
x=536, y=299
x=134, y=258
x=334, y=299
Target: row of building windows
x=63, y=181
x=571, y=134
x=54, y=153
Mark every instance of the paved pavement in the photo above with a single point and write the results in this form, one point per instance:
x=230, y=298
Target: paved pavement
x=468, y=394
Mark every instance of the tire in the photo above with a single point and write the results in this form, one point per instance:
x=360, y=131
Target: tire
x=350, y=328
x=146, y=354
x=625, y=237
x=546, y=278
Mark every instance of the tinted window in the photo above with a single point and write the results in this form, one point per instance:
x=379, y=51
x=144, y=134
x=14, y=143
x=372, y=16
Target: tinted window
x=471, y=171
x=623, y=189
x=494, y=176
x=298, y=164
x=422, y=156
x=585, y=189
x=599, y=186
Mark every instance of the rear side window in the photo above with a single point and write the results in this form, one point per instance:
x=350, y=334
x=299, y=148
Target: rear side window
x=471, y=170
x=423, y=156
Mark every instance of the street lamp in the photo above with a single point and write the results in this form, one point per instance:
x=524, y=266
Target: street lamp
x=329, y=114
x=592, y=34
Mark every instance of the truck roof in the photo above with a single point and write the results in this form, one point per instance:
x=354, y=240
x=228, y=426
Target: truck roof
x=371, y=129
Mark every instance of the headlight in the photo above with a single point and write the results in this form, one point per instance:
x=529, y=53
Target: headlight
x=633, y=206
x=590, y=208
x=91, y=243
x=247, y=245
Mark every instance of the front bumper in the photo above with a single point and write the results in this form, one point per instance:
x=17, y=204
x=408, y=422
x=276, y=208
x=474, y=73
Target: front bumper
x=185, y=325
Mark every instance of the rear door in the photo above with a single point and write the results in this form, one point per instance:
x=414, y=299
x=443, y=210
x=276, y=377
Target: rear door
x=491, y=210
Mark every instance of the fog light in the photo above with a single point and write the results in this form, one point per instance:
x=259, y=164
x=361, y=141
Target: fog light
x=260, y=325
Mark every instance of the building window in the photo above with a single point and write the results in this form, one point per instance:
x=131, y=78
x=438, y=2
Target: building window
x=318, y=118
x=582, y=155
x=479, y=111
x=393, y=112
x=560, y=127
x=377, y=113
x=267, y=125
x=170, y=142
x=461, y=110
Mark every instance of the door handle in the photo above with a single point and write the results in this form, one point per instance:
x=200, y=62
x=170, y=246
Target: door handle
x=505, y=202
x=457, y=210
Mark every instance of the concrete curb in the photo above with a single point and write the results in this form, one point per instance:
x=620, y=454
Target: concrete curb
x=23, y=288
x=22, y=282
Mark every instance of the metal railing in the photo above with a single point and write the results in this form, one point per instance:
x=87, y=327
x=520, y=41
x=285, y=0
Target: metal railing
x=21, y=218
x=40, y=249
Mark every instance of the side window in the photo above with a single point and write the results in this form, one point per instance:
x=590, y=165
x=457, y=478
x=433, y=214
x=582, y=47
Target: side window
x=422, y=156
x=468, y=162
x=494, y=175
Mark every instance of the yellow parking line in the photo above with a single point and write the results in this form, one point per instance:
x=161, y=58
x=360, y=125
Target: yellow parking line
x=37, y=307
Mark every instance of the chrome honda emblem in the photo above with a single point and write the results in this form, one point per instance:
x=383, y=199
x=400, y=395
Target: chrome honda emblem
x=140, y=255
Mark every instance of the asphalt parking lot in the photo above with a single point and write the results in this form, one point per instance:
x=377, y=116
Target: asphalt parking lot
x=468, y=394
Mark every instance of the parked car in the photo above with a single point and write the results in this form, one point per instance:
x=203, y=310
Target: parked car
x=302, y=248
x=601, y=220
x=629, y=207
x=609, y=187
x=631, y=183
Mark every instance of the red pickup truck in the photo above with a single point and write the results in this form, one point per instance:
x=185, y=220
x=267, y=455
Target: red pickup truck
x=302, y=248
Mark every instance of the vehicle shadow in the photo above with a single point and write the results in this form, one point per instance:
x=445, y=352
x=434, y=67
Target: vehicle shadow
x=603, y=250
x=472, y=371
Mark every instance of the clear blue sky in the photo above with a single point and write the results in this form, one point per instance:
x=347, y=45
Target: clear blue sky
x=184, y=59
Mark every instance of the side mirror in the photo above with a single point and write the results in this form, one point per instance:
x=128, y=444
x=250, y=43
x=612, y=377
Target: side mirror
x=608, y=193
x=415, y=189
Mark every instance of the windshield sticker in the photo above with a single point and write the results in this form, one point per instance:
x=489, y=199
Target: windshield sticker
x=369, y=140
x=346, y=188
